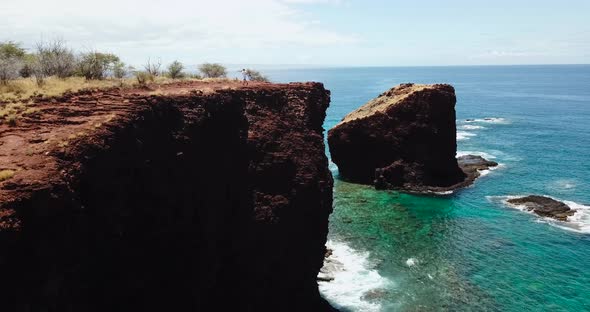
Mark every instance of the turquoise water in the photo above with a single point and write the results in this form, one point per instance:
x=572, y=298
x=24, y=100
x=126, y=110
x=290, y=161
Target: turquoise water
x=470, y=251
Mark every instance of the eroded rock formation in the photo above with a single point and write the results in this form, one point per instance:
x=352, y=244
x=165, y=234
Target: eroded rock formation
x=405, y=139
x=205, y=197
x=544, y=206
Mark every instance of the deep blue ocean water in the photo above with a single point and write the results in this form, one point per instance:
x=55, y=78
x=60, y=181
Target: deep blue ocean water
x=470, y=251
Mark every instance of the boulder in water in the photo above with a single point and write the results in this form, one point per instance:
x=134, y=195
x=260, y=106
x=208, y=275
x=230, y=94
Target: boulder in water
x=544, y=206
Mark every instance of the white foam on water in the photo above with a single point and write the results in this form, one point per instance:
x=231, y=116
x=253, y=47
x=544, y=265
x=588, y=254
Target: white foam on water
x=471, y=127
x=483, y=173
x=352, y=276
x=464, y=135
x=445, y=193
x=581, y=219
x=411, y=262
x=482, y=154
x=564, y=184
x=579, y=222
x=332, y=166
x=490, y=120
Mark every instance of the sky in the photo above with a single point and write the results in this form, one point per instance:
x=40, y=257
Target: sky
x=311, y=32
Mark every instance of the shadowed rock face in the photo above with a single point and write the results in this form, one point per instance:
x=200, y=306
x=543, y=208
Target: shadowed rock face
x=404, y=139
x=544, y=206
x=187, y=201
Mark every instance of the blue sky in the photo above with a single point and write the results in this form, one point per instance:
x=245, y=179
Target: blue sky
x=315, y=32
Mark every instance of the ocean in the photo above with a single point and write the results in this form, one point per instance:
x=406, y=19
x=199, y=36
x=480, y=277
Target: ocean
x=469, y=251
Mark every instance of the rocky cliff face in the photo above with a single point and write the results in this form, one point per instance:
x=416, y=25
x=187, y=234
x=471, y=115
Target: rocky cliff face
x=404, y=139
x=204, y=197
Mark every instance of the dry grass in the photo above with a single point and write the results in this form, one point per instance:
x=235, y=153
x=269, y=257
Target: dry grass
x=10, y=113
x=384, y=101
x=6, y=174
x=16, y=95
x=23, y=88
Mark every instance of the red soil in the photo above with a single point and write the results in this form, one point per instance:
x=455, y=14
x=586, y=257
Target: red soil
x=30, y=148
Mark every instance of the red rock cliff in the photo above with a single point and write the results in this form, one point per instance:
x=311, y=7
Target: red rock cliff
x=405, y=139
x=205, y=197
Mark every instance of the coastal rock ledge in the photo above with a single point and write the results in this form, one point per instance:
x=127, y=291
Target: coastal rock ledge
x=405, y=139
x=544, y=206
x=195, y=196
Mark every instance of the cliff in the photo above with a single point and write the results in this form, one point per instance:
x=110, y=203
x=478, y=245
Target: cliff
x=192, y=197
x=405, y=139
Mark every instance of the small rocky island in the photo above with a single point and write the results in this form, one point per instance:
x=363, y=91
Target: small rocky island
x=405, y=139
x=544, y=207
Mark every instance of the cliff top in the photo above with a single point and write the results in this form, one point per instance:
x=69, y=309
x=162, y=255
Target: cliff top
x=43, y=127
x=394, y=96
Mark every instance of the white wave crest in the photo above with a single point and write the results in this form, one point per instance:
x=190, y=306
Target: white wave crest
x=464, y=135
x=490, y=120
x=347, y=276
x=332, y=166
x=564, y=184
x=471, y=127
x=579, y=222
x=482, y=154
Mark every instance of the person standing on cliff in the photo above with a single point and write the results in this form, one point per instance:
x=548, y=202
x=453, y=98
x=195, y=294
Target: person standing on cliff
x=245, y=76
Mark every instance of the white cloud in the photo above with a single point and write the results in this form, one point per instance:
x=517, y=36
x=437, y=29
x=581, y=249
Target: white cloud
x=500, y=54
x=223, y=30
x=313, y=1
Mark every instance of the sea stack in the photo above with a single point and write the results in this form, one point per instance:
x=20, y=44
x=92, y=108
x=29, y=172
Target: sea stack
x=405, y=139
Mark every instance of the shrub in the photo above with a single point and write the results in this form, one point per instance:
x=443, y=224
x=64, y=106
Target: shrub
x=143, y=77
x=9, y=68
x=119, y=70
x=175, y=70
x=11, y=49
x=29, y=62
x=6, y=174
x=56, y=59
x=255, y=75
x=153, y=68
x=96, y=65
x=213, y=70
x=11, y=61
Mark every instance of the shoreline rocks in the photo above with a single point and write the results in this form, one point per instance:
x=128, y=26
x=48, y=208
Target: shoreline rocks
x=544, y=206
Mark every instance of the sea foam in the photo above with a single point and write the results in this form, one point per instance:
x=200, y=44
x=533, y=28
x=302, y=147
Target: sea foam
x=352, y=276
x=482, y=154
x=579, y=222
x=464, y=135
x=471, y=127
x=490, y=120
x=332, y=167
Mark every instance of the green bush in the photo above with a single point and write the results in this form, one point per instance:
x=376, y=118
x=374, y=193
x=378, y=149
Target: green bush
x=255, y=75
x=175, y=70
x=96, y=65
x=213, y=70
x=11, y=49
x=119, y=70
